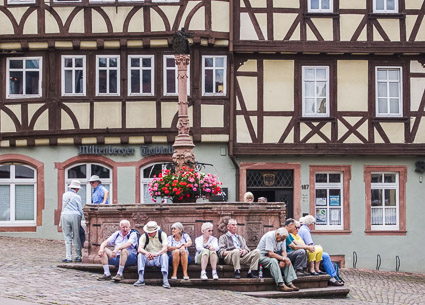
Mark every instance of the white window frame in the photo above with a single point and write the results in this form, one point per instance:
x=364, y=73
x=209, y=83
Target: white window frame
x=40, y=77
x=107, y=73
x=20, y=1
x=144, y=184
x=73, y=69
x=214, y=57
x=12, y=182
x=327, y=186
x=315, y=97
x=400, y=92
x=175, y=68
x=320, y=9
x=141, y=69
x=166, y=1
x=385, y=186
x=385, y=10
x=65, y=1
x=86, y=181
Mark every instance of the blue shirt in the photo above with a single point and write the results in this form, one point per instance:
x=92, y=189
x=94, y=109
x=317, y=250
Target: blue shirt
x=304, y=233
x=116, y=239
x=71, y=203
x=235, y=240
x=99, y=194
x=289, y=240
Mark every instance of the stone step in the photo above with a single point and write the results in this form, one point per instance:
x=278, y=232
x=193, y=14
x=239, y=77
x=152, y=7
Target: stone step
x=153, y=276
x=328, y=292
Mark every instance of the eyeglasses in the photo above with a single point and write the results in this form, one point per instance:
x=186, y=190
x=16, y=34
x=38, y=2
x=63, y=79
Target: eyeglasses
x=297, y=227
x=92, y=182
x=209, y=230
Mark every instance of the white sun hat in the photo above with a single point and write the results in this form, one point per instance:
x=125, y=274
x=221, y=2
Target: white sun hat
x=75, y=184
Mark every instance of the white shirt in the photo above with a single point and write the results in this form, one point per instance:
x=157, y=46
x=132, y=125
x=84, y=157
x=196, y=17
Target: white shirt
x=200, y=246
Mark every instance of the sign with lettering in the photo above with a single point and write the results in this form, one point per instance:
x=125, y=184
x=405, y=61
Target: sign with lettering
x=156, y=150
x=105, y=150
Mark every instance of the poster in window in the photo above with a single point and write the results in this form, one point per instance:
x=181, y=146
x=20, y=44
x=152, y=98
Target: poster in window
x=321, y=217
x=321, y=201
x=334, y=200
x=335, y=217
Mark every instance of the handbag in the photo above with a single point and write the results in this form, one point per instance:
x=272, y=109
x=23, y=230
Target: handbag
x=82, y=236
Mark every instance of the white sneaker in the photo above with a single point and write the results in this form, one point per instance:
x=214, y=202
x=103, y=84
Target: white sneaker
x=204, y=276
x=215, y=276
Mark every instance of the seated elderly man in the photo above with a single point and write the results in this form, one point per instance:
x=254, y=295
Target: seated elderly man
x=308, y=223
x=232, y=248
x=296, y=252
x=274, y=258
x=124, y=254
x=152, y=250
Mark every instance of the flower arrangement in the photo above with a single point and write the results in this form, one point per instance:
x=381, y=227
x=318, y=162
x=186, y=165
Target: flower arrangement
x=189, y=184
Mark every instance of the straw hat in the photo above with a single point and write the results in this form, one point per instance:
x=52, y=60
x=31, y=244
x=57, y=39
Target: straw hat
x=151, y=227
x=94, y=178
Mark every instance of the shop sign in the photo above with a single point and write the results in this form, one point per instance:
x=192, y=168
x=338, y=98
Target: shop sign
x=156, y=150
x=105, y=150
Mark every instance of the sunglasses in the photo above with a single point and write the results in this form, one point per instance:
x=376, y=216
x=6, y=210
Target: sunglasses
x=209, y=230
x=297, y=227
x=92, y=182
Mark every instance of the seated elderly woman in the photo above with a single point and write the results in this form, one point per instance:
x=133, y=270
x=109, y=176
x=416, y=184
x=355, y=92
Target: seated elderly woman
x=178, y=243
x=206, y=249
x=307, y=224
x=248, y=197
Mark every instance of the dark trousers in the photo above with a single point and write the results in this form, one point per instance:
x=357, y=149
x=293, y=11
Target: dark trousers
x=298, y=259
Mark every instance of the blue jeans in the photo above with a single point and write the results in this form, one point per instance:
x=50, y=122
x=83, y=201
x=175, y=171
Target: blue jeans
x=159, y=261
x=327, y=263
x=131, y=260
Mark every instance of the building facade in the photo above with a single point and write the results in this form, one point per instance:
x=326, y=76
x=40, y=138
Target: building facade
x=317, y=103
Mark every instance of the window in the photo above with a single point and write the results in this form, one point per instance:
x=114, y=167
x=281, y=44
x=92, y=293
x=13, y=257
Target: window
x=73, y=75
x=329, y=200
x=60, y=1
x=83, y=172
x=171, y=85
x=214, y=75
x=385, y=6
x=24, y=77
x=141, y=75
x=107, y=75
x=388, y=92
x=384, y=200
x=320, y=6
x=147, y=174
x=315, y=91
x=18, y=193
x=20, y=1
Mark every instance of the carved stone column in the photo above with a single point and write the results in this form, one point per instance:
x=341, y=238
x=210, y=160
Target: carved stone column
x=183, y=145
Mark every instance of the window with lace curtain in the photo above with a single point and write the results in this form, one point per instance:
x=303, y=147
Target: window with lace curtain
x=18, y=194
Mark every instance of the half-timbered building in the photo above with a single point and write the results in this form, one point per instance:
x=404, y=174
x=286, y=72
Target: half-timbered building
x=317, y=103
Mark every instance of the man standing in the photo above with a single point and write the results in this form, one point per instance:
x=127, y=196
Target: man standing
x=71, y=221
x=234, y=251
x=100, y=193
x=296, y=252
x=124, y=254
x=273, y=257
x=152, y=250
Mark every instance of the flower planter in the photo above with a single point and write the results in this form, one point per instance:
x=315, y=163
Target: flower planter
x=184, y=200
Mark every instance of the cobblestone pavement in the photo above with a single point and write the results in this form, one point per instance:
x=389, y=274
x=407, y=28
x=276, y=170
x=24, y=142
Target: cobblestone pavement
x=28, y=273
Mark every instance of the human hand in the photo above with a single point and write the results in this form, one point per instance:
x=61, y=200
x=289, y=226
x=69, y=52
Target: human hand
x=150, y=256
x=101, y=252
x=311, y=249
x=282, y=264
x=287, y=261
x=114, y=253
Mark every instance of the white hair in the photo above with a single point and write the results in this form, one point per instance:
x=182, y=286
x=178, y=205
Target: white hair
x=178, y=225
x=297, y=223
x=206, y=225
x=282, y=232
x=248, y=195
x=308, y=220
x=232, y=220
x=125, y=221
x=302, y=219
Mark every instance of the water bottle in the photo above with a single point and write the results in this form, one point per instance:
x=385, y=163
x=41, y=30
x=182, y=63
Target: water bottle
x=260, y=272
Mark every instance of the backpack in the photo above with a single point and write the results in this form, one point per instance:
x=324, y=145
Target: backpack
x=147, y=238
x=129, y=234
x=338, y=277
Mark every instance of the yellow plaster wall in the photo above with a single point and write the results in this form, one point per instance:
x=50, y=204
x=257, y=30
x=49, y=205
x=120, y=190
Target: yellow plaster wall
x=394, y=132
x=32, y=108
x=77, y=24
x=6, y=123
x=278, y=85
x=262, y=21
x=326, y=130
x=352, y=85
x=286, y=3
x=171, y=12
x=157, y=24
x=420, y=135
x=168, y=111
x=18, y=11
x=410, y=22
x=417, y=88
x=325, y=27
x=310, y=34
x=248, y=86
x=6, y=26
x=220, y=16
x=42, y=122
x=274, y=127
x=376, y=35
x=214, y=138
x=281, y=24
x=198, y=20
x=416, y=67
x=350, y=4
x=117, y=17
x=352, y=138
x=348, y=25
x=107, y=115
x=212, y=116
x=413, y=4
x=31, y=24
x=247, y=31
x=242, y=133
x=297, y=34
x=51, y=25
x=141, y=114
x=391, y=28
x=82, y=113
x=136, y=22
x=66, y=122
x=98, y=23
x=249, y=66
x=258, y=3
